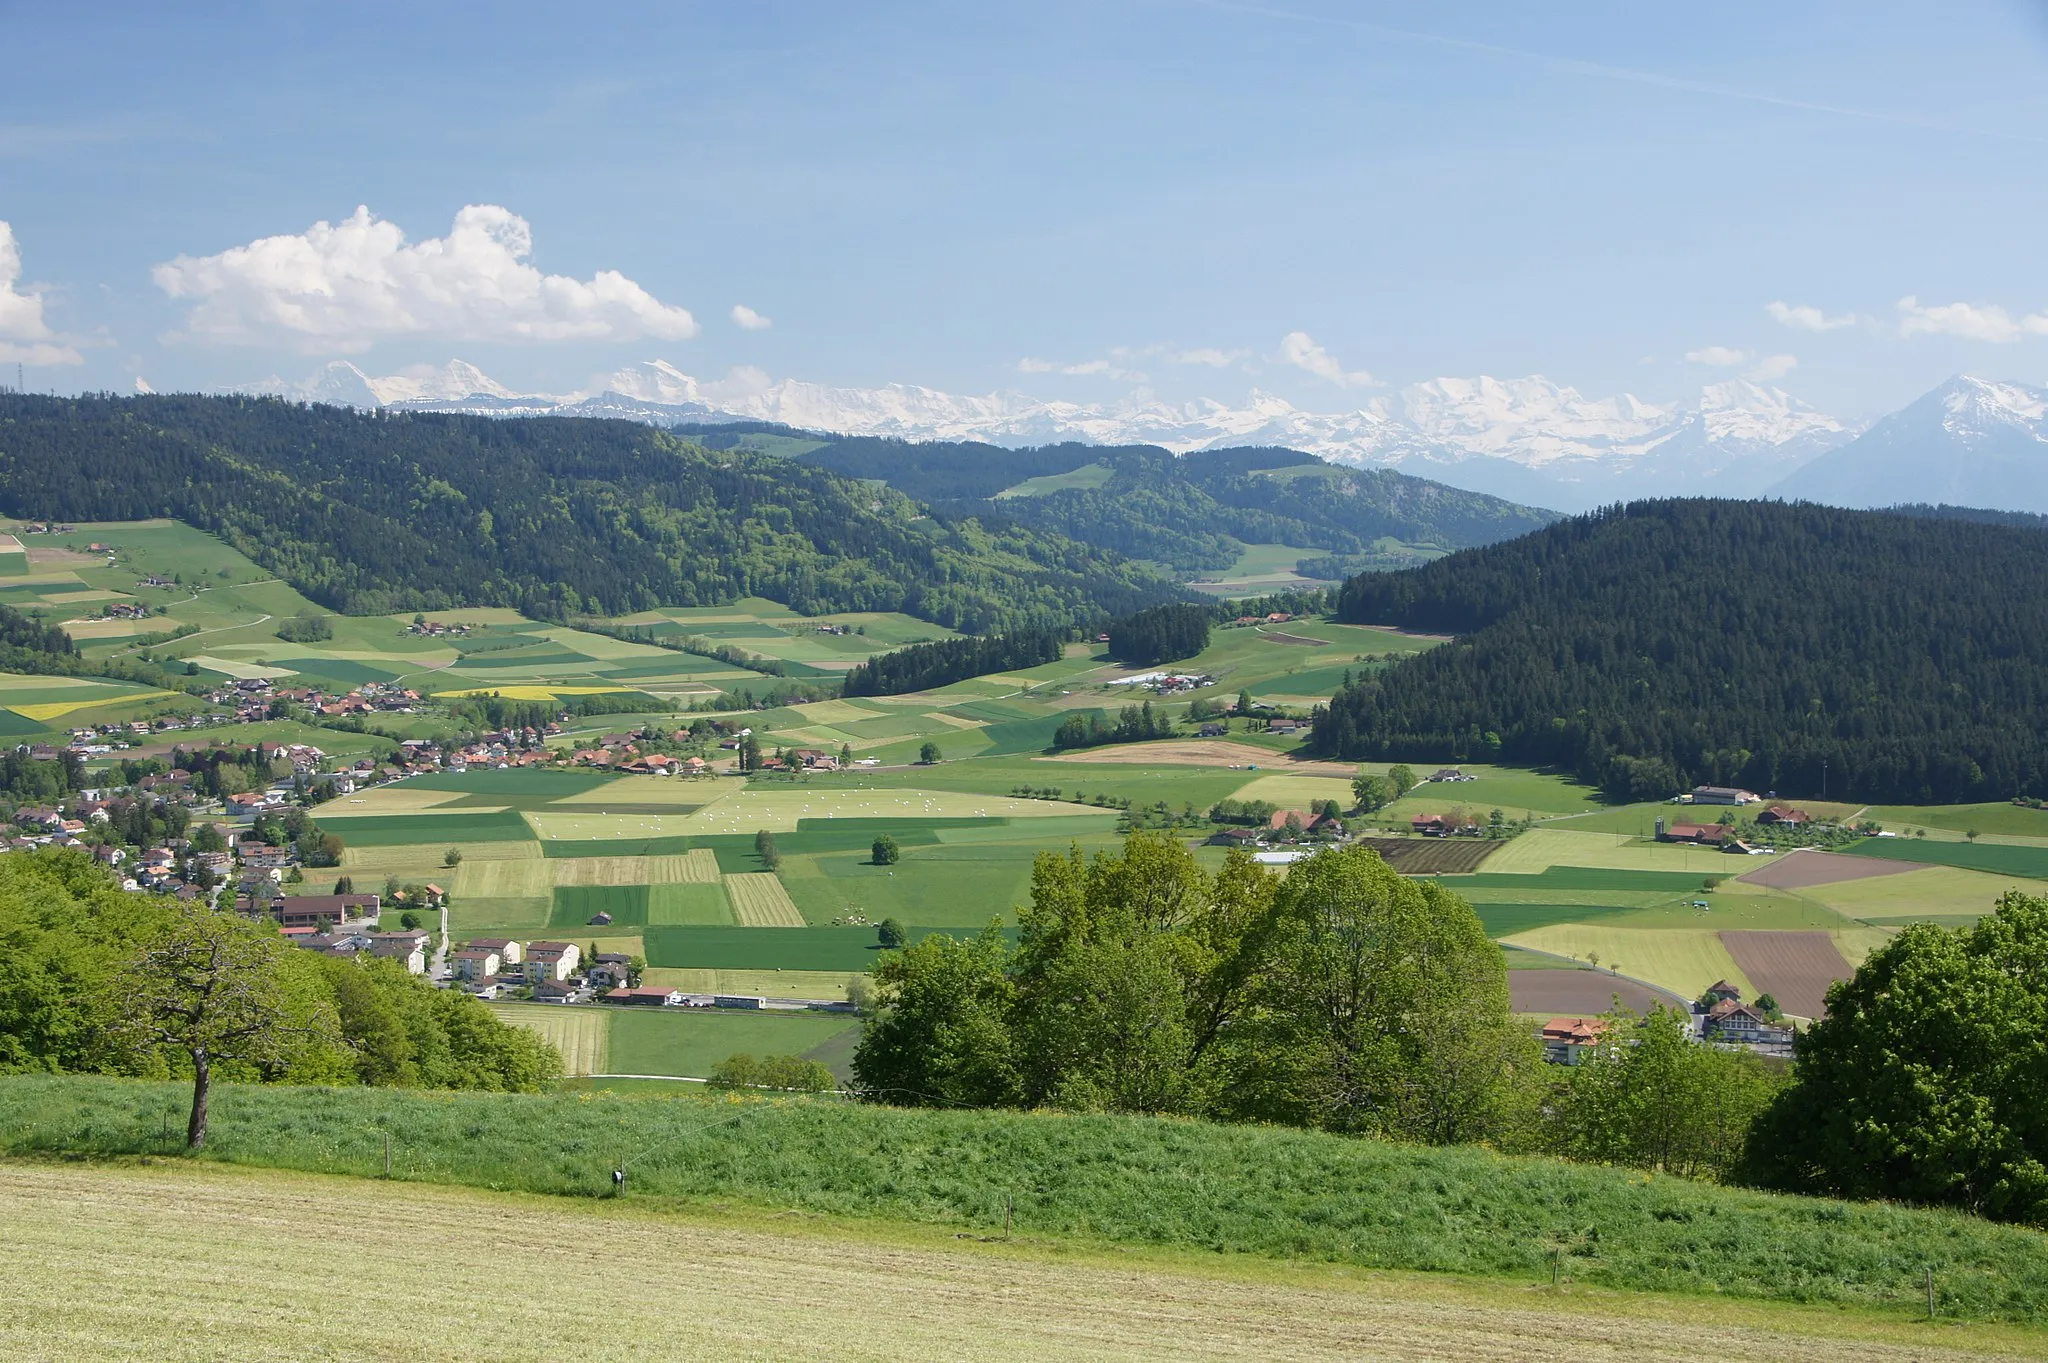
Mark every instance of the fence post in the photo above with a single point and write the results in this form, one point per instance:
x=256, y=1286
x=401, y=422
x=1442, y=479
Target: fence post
x=1009, y=1211
x=1930, y=1292
x=387, y=1154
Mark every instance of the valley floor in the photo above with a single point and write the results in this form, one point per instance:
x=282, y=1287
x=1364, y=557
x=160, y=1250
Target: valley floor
x=178, y=1261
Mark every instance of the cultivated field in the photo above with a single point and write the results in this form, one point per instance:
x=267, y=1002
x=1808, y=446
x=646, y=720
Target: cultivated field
x=1795, y=968
x=759, y=901
x=172, y=1262
x=582, y=1035
x=1684, y=961
x=1203, y=752
x=772, y=984
x=1434, y=856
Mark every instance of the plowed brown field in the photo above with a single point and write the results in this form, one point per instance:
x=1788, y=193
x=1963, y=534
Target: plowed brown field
x=1795, y=968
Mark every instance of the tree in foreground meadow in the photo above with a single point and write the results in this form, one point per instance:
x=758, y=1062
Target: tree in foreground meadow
x=220, y=990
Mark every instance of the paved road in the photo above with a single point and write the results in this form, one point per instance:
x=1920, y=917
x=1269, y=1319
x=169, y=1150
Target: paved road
x=441, y=951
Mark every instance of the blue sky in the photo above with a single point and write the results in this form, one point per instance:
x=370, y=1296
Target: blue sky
x=982, y=196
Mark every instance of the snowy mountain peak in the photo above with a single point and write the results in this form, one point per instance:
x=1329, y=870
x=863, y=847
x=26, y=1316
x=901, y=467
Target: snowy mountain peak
x=1974, y=406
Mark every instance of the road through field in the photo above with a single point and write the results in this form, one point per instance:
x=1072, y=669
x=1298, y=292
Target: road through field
x=182, y=1262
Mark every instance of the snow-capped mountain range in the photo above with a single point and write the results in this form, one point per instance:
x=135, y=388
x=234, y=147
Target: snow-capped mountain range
x=1527, y=439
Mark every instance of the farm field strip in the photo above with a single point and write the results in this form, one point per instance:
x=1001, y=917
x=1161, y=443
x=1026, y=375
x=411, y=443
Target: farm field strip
x=396, y=797
x=602, y=871
x=1684, y=961
x=699, y=866
x=512, y=878
x=772, y=984
x=760, y=901
x=1795, y=968
x=1934, y=891
x=580, y=1034
x=385, y=857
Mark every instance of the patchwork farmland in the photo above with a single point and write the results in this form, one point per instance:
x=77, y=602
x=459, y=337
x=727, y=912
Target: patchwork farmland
x=666, y=868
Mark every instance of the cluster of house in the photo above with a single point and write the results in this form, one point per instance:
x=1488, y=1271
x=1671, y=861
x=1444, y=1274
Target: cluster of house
x=622, y=753
x=801, y=759
x=1720, y=1017
x=1283, y=825
x=553, y=972
x=1166, y=683
x=53, y=528
x=123, y=610
x=1723, y=835
x=1275, y=618
x=435, y=629
x=252, y=697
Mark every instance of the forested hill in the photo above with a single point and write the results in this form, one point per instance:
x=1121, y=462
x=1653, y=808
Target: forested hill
x=1194, y=512
x=417, y=511
x=1653, y=646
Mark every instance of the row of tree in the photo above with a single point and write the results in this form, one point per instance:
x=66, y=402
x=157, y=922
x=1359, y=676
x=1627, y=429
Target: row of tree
x=921, y=667
x=1134, y=724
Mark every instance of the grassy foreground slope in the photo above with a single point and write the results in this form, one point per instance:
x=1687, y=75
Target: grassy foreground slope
x=175, y=1262
x=1170, y=1184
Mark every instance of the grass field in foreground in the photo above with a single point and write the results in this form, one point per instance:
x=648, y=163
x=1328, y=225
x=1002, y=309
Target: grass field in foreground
x=165, y=1262
x=1149, y=1182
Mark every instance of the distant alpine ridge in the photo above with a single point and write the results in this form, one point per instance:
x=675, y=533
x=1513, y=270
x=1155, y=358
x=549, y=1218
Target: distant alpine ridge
x=1970, y=442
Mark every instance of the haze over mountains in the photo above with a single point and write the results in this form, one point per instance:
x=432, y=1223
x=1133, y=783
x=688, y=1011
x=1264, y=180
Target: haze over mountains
x=1970, y=442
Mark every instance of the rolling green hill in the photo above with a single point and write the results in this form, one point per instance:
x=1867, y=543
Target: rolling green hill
x=1865, y=655
x=1193, y=512
x=370, y=513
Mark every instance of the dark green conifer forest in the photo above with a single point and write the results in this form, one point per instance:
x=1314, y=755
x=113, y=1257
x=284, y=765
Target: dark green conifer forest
x=1799, y=648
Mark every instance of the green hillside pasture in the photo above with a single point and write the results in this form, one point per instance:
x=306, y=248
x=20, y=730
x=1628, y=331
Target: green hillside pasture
x=427, y=827
x=582, y=1035
x=576, y=905
x=690, y=1043
x=341, y=674
x=1513, y=790
x=2004, y=859
x=1164, y=1183
x=676, y=904
x=1087, y=476
x=740, y=948
x=1508, y=919
x=2003, y=818
x=939, y=887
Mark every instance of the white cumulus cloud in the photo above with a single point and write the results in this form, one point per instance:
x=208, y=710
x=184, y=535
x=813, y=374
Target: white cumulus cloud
x=1806, y=317
x=1968, y=321
x=1299, y=349
x=1762, y=368
x=1772, y=367
x=1096, y=369
x=142, y=385
x=345, y=286
x=1210, y=357
x=1720, y=356
x=25, y=338
x=748, y=319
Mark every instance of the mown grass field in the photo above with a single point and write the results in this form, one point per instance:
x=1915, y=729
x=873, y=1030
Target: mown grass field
x=164, y=1262
x=1173, y=1185
x=582, y=1035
